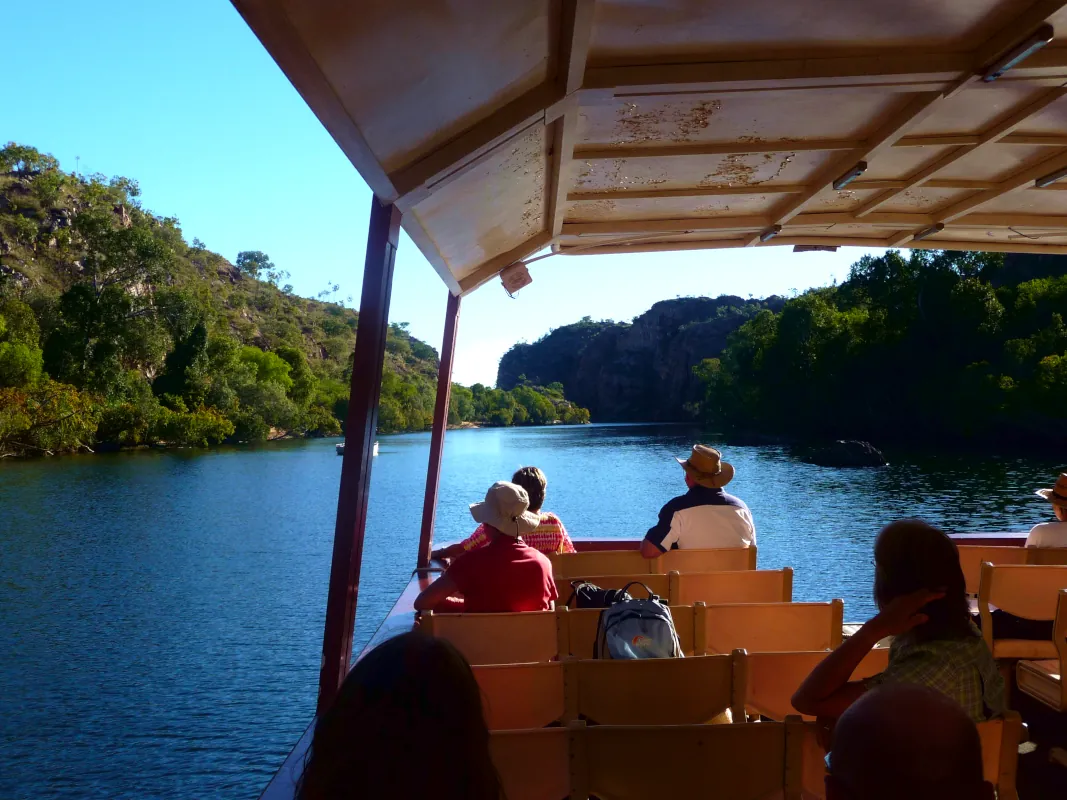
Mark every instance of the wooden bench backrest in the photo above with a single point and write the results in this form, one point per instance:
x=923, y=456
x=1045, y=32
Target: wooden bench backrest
x=972, y=557
x=1023, y=590
x=745, y=586
x=767, y=627
x=741, y=762
x=579, y=629
x=1000, y=751
x=1046, y=681
x=1045, y=555
x=521, y=695
x=659, y=584
x=656, y=691
x=599, y=562
x=772, y=678
x=1000, y=757
x=722, y=559
x=532, y=764
x=498, y=638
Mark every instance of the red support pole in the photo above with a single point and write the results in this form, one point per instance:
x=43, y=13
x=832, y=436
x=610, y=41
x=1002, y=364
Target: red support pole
x=440, y=424
x=360, y=428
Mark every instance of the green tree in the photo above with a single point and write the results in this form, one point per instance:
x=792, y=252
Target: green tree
x=269, y=367
x=25, y=159
x=253, y=263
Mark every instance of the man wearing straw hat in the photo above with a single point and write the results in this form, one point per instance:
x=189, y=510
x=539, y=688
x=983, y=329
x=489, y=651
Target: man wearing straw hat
x=704, y=517
x=504, y=575
x=1052, y=534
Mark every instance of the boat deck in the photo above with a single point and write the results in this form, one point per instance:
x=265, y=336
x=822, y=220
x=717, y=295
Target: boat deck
x=1036, y=776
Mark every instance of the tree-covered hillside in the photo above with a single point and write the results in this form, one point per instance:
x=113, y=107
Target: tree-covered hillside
x=115, y=331
x=926, y=347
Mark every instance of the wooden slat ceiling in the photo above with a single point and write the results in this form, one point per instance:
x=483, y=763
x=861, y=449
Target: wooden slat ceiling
x=612, y=126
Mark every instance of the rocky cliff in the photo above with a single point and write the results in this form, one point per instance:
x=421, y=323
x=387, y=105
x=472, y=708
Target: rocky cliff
x=639, y=371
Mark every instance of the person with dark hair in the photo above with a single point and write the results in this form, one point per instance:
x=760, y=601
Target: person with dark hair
x=922, y=602
x=548, y=537
x=412, y=697
x=504, y=575
x=904, y=740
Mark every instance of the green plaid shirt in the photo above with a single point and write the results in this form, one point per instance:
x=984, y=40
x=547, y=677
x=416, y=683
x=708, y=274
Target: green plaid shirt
x=962, y=669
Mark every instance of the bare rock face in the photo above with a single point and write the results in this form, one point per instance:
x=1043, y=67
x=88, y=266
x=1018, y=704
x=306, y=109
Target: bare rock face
x=845, y=453
x=641, y=371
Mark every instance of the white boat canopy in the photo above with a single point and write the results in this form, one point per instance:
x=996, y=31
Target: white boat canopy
x=502, y=127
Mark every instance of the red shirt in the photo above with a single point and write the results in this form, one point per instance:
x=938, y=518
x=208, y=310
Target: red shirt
x=505, y=575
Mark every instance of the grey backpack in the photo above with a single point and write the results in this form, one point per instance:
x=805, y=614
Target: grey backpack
x=635, y=628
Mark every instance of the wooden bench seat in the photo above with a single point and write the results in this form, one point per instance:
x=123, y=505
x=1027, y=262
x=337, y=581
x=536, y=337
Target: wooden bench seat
x=772, y=678
x=1047, y=556
x=658, y=584
x=656, y=691
x=1043, y=679
x=664, y=691
x=767, y=627
x=683, y=589
x=566, y=566
x=973, y=556
x=1027, y=591
x=722, y=559
x=578, y=629
x=513, y=638
x=746, y=586
x=1000, y=757
x=532, y=764
x=741, y=762
x=516, y=696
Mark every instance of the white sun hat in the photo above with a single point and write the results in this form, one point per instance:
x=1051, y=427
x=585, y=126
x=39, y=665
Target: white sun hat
x=506, y=508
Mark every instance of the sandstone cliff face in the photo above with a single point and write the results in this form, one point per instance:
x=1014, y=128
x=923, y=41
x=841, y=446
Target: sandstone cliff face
x=634, y=372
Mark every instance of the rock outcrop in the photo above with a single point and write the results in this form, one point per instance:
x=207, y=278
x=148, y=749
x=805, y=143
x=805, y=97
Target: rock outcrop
x=641, y=371
x=845, y=453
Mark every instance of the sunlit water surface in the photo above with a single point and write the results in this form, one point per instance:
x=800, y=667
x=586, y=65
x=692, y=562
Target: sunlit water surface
x=161, y=612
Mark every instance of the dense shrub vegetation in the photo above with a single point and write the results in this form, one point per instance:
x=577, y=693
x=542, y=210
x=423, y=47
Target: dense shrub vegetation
x=925, y=346
x=115, y=332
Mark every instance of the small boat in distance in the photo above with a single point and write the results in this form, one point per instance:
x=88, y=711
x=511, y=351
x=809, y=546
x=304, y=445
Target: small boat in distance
x=340, y=447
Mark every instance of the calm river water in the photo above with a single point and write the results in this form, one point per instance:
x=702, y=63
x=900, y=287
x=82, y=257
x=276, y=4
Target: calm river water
x=161, y=612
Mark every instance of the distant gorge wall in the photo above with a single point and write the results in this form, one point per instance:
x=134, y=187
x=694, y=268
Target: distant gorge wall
x=639, y=371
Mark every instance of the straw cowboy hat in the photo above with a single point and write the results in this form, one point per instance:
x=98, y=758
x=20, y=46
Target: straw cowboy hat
x=1057, y=495
x=506, y=508
x=706, y=467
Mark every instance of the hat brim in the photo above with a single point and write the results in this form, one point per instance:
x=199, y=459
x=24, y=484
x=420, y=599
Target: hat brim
x=710, y=480
x=1052, y=497
x=526, y=522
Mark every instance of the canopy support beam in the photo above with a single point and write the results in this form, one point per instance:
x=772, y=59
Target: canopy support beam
x=361, y=424
x=440, y=424
x=996, y=133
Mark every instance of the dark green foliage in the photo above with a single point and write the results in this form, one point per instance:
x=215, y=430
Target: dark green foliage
x=115, y=332
x=918, y=346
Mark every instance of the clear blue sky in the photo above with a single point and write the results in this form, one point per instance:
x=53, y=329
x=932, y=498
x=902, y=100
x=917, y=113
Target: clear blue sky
x=183, y=98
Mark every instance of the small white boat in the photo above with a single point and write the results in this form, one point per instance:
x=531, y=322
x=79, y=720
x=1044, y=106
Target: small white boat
x=341, y=449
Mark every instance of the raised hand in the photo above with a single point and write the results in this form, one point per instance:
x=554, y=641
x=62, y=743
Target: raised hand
x=905, y=612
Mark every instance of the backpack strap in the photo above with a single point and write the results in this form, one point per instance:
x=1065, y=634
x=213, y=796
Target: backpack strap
x=651, y=595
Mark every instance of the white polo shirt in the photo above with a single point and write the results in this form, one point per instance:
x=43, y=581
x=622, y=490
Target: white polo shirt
x=703, y=518
x=1048, y=534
